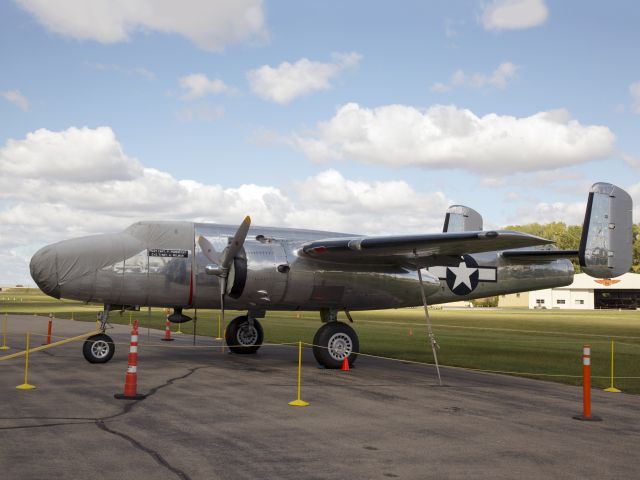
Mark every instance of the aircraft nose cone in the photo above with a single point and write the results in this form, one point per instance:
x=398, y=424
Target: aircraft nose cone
x=44, y=271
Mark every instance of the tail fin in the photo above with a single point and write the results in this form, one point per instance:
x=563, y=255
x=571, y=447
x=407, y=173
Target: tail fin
x=607, y=238
x=462, y=219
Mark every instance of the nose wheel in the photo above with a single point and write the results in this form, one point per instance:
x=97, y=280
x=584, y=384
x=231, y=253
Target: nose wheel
x=244, y=335
x=333, y=342
x=98, y=348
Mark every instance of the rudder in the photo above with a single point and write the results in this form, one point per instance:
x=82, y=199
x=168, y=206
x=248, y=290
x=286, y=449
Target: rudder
x=607, y=237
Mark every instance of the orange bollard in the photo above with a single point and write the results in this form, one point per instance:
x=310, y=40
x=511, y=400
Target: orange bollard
x=586, y=387
x=49, y=328
x=131, y=379
x=167, y=332
x=411, y=332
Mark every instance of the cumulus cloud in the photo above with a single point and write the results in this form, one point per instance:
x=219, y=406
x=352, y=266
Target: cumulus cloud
x=15, y=97
x=513, y=14
x=78, y=154
x=499, y=78
x=634, y=90
x=288, y=81
x=451, y=137
x=102, y=189
x=210, y=24
x=198, y=85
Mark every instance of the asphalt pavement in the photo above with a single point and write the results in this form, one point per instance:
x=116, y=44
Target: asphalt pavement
x=214, y=415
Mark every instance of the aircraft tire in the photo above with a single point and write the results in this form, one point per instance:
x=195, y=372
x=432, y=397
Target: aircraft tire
x=332, y=342
x=98, y=348
x=241, y=337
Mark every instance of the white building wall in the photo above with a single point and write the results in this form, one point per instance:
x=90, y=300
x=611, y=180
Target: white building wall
x=582, y=298
x=562, y=298
x=541, y=298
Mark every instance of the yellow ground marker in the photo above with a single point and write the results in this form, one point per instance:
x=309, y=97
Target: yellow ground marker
x=612, y=389
x=299, y=402
x=179, y=330
x=4, y=334
x=26, y=385
x=218, y=337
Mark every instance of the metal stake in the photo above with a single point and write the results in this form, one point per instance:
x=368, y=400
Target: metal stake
x=432, y=338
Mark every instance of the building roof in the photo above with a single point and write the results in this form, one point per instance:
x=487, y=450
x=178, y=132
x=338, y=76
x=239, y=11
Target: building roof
x=628, y=281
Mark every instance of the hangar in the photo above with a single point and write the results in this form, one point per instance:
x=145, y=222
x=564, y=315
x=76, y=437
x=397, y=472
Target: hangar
x=584, y=293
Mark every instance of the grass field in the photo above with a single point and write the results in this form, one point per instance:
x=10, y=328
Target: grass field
x=537, y=344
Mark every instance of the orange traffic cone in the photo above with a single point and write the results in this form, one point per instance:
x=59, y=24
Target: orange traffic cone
x=131, y=379
x=345, y=364
x=167, y=332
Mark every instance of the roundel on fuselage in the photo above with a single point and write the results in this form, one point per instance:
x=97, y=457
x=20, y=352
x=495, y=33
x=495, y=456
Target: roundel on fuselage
x=463, y=279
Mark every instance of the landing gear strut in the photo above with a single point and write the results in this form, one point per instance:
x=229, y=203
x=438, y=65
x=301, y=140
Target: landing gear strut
x=333, y=342
x=244, y=335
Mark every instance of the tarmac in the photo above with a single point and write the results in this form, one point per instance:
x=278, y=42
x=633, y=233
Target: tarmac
x=215, y=415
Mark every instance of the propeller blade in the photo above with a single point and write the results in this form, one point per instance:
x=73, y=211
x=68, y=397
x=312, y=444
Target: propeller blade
x=236, y=244
x=208, y=250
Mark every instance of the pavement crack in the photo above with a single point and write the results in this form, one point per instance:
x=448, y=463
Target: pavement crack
x=155, y=455
x=45, y=425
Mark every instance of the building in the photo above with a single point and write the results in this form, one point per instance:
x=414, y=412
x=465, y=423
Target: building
x=590, y=293
x=514, y=300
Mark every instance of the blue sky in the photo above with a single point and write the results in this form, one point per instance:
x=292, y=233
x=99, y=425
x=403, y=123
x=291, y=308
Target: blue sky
x=384, y=113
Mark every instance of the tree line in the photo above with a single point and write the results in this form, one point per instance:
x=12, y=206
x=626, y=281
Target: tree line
x=567, y=237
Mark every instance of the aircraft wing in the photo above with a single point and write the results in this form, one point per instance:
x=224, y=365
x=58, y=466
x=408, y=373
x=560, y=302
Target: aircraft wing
x=402, y=249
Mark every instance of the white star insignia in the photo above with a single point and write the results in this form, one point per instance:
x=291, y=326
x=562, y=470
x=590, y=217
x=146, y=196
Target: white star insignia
x=463, y=274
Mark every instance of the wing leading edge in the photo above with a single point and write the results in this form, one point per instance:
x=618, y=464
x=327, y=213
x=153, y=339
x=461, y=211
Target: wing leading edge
x=402, y=249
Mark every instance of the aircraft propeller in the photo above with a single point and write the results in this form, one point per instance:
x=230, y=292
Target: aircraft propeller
x=223, y=262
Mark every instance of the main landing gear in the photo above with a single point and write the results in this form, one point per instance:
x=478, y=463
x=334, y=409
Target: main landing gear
x=333, y=342
x=244, y=335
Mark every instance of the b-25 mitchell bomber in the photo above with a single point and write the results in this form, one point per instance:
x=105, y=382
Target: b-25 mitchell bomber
x=186, y=265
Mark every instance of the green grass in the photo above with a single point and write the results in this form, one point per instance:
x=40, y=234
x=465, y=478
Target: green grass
x=524, y=341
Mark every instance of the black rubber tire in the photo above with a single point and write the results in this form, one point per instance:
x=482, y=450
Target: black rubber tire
x=233, y=341
x=321, y=344
x=96, y=355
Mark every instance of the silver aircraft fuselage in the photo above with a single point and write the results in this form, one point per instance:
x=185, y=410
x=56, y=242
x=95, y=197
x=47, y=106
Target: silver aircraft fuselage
x=161, y=264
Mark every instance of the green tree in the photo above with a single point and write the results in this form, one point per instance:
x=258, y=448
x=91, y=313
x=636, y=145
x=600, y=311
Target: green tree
x=567, y=237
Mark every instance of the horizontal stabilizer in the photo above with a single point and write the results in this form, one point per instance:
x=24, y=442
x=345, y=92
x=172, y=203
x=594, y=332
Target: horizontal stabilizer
x=607, y=237
x=462, y=219
x=540, y=254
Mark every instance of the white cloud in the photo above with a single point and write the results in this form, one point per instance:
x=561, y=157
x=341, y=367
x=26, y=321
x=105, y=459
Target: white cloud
x=201, y=113
x=15, y=97
x=39, y=206
x=77, y=154
x=631, y=160
x=210, y=24
x=514, y=14
x=288, y=81
x=569, y=213
x=450, y=137
x=198, y=85
x=634, y=89
x=499, y=78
